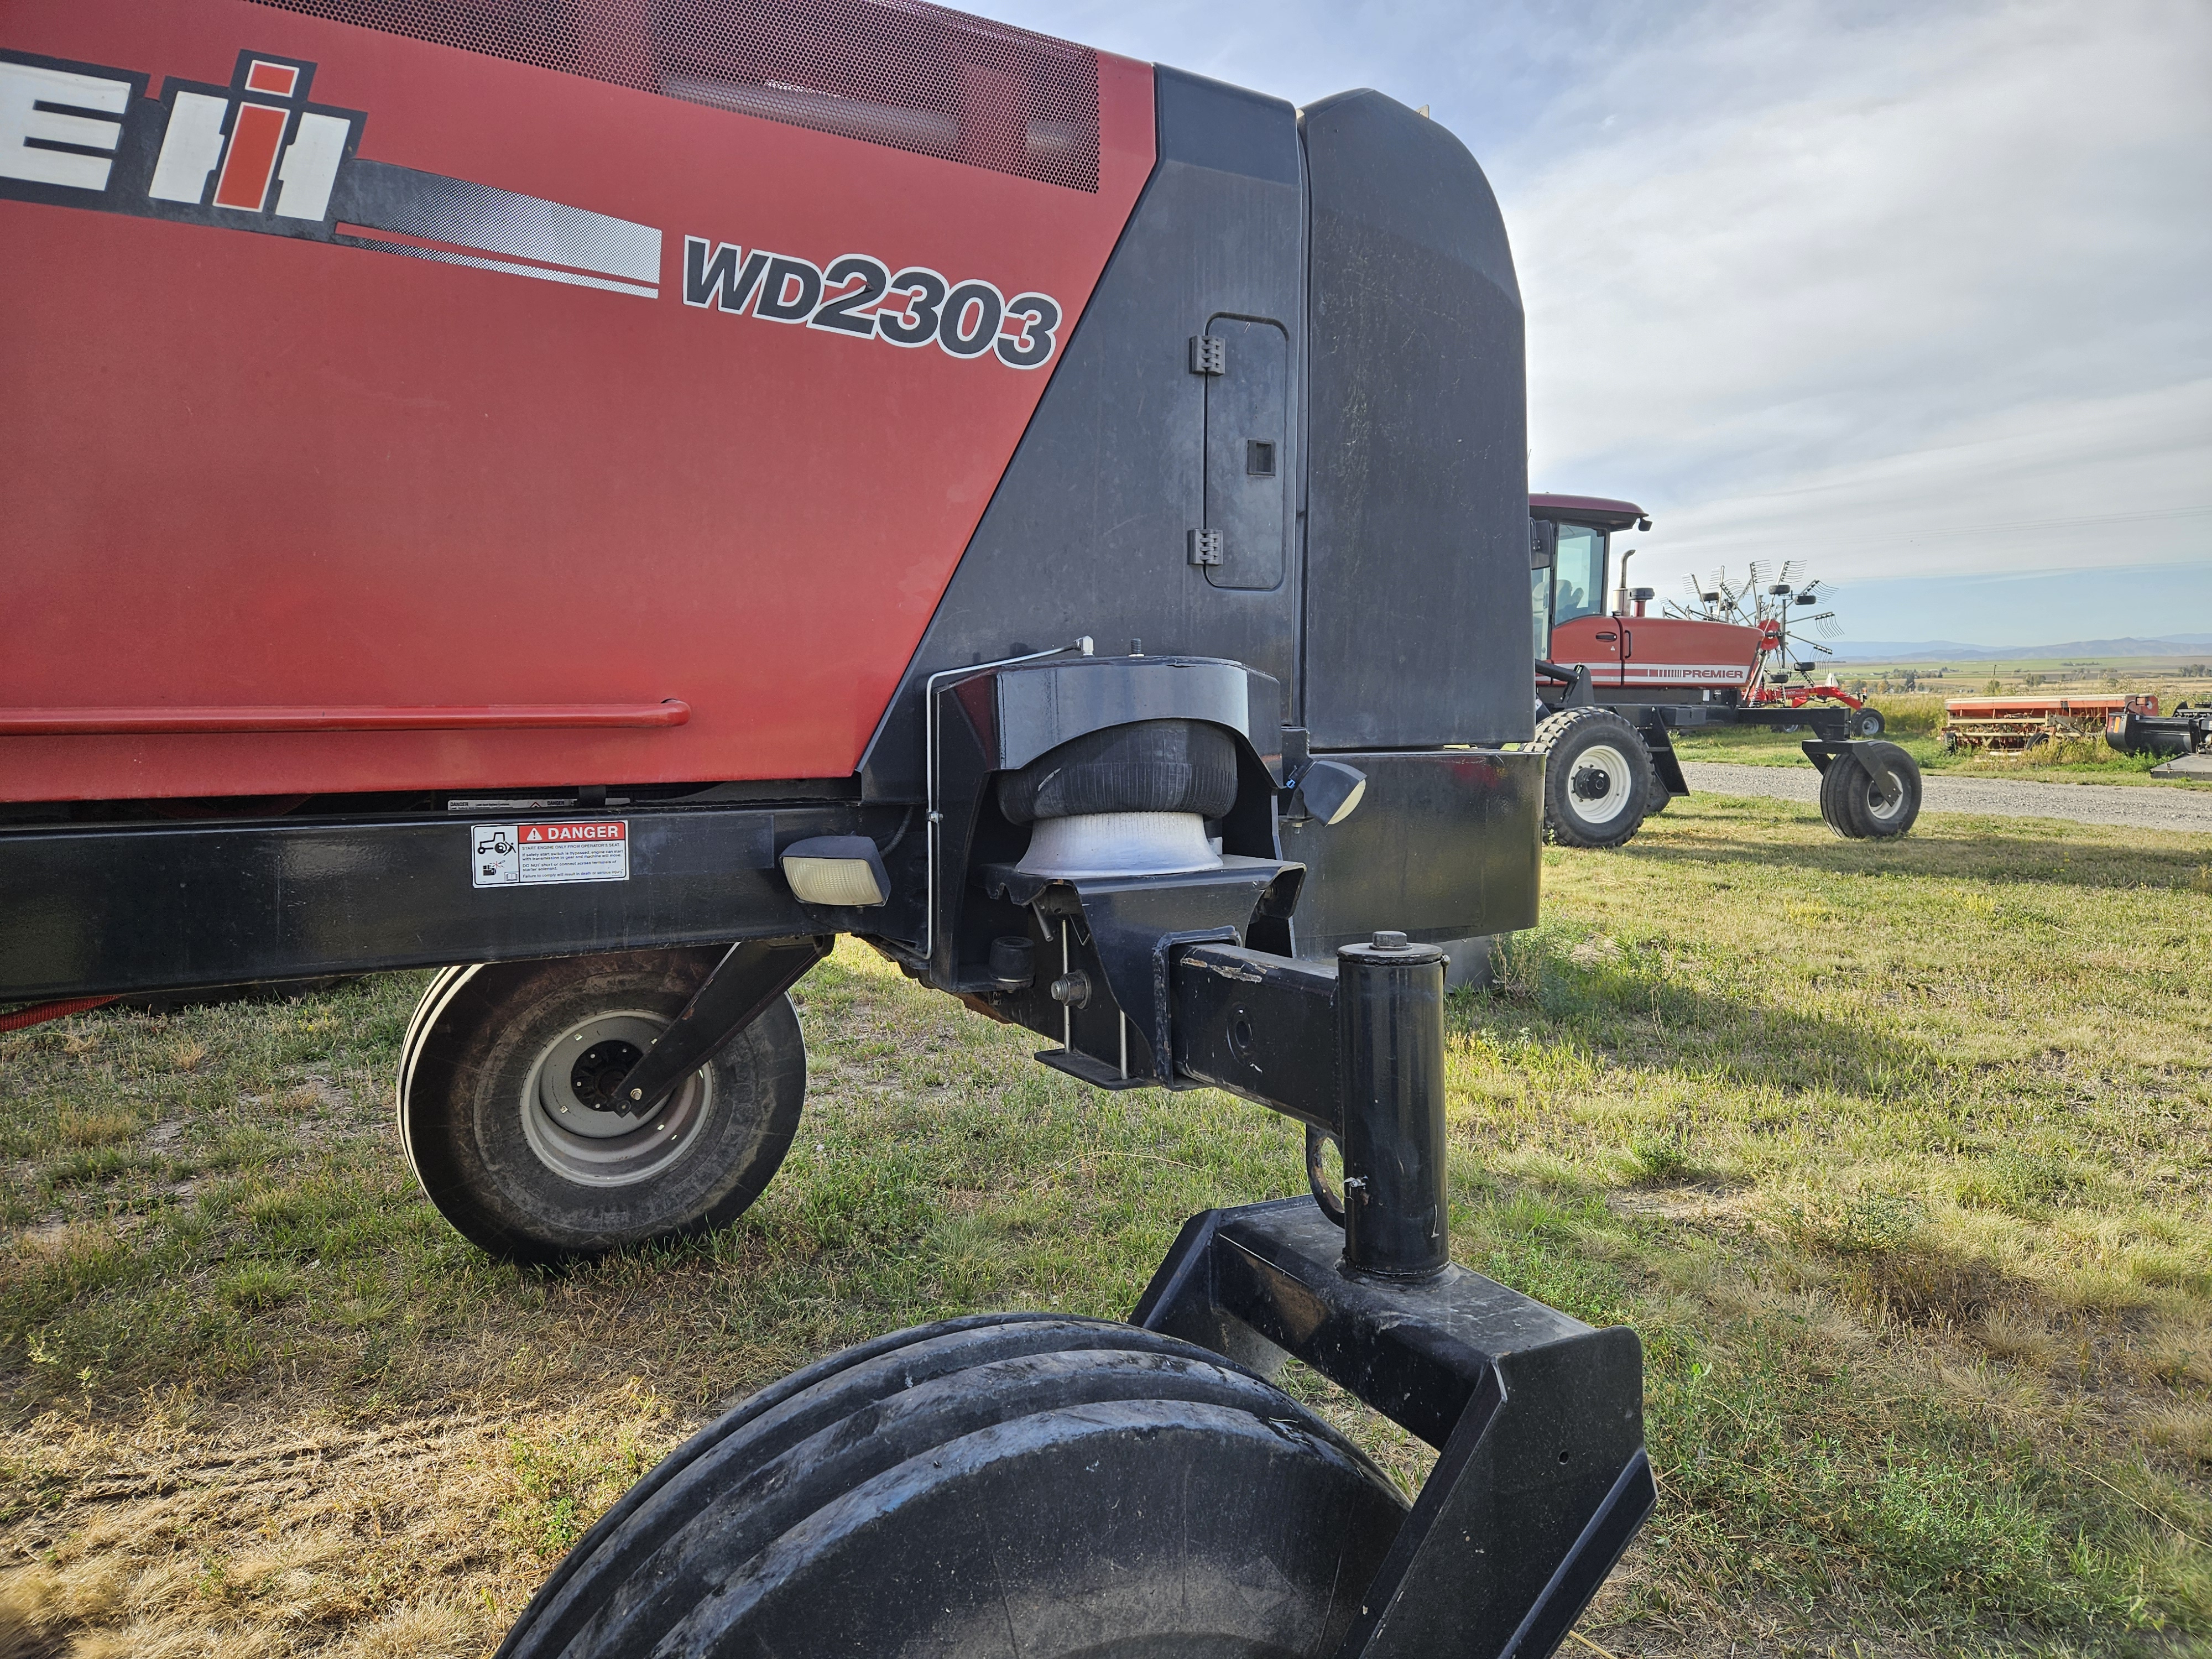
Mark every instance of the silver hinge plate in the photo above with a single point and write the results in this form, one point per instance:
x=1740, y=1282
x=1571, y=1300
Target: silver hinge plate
x=1206, y=547
x=1209, y=354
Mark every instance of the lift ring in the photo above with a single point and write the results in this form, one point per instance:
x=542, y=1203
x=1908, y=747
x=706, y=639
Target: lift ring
x=1317, y=1176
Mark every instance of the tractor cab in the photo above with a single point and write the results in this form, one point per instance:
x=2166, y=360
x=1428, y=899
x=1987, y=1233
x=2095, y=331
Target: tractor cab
x=1582, y=621
x=1568, y=556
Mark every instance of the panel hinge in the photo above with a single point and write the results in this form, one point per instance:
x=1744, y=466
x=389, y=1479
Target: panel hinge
x=1206, y=547
x=1209, y=354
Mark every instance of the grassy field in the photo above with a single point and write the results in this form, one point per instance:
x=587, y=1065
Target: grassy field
x=1913, y=720
x=1898, y=1156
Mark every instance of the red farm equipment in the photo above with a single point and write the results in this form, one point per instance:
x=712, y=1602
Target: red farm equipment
x=1613, y=682
x=601, y=498
x=2015, y=724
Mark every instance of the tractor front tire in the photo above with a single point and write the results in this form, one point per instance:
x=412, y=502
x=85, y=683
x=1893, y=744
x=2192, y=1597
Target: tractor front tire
x=1597, y=777
x=1880, y=803
x=1057, y=1487
x=508, y=1115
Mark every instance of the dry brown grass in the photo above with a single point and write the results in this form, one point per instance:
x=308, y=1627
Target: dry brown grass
x=273, y=1529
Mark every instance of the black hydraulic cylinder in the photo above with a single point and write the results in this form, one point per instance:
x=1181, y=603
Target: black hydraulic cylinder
x=1390, y=1047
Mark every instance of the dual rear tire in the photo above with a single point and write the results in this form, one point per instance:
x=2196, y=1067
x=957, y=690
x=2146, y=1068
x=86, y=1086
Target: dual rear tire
x=1875, y=800
x=1008, y=1484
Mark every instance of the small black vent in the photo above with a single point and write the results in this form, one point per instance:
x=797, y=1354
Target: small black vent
x=916, y=77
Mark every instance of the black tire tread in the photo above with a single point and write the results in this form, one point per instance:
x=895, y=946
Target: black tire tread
x=466, y=1010
x=797, y=1467
x=1846, y=791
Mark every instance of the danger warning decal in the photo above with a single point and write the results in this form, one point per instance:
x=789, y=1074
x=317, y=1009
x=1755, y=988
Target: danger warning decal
x=257, y=155
x=532, y=854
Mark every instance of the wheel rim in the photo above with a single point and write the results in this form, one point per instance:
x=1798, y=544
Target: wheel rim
x=1599, y=783
x=570, y=1117
x=1885, y=797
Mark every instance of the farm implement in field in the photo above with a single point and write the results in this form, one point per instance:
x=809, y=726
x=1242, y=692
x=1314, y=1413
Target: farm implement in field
x=2001, y=724
x=528, y=541
x=1613, y=685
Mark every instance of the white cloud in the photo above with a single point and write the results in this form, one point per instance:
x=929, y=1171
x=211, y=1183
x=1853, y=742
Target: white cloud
x=1914, y=239
x=2081, y=483
x=1921, y=290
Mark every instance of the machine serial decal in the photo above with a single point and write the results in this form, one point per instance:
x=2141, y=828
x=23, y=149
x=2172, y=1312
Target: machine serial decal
x=858, y=294
x=255, y=155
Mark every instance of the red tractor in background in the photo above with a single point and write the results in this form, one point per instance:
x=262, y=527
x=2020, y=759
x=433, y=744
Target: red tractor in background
x=1612, y=684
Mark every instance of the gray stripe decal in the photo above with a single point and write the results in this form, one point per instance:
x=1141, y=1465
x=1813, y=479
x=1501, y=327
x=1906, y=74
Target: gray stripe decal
x=442, y=256
x=441, y=210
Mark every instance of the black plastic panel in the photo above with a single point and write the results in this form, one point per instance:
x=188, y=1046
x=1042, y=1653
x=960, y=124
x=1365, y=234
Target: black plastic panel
x=1088, y=532
x=1443, y=846
x=1416, y=626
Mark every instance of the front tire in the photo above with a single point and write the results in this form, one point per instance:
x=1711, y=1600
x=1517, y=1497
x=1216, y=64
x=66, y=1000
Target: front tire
x=506, y=1112
x=1597, y=777
x=1061, y=1488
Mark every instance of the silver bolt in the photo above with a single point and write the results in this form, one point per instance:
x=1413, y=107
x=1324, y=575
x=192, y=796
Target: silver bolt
x=639, y=1094
x=1389, y=939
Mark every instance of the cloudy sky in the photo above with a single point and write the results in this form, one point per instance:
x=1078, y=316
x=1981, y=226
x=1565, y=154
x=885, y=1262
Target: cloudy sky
x=1920, y=293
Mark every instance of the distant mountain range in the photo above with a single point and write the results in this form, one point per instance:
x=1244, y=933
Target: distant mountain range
x=2172, y=644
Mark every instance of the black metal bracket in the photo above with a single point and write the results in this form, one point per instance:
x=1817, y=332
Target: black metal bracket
x=1543, y=1479
x=1579, y=693
x=752, y=975
x=1120, y=932
x=1877, y=756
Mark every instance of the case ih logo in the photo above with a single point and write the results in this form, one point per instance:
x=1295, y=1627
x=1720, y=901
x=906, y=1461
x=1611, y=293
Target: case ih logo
x=222, y=149
x=256, y=156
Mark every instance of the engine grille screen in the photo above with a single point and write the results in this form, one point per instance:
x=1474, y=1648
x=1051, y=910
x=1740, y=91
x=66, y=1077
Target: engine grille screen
x=914, y=77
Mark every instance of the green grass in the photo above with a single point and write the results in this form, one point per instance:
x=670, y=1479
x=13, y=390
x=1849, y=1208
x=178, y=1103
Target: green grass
x=1898, y=1156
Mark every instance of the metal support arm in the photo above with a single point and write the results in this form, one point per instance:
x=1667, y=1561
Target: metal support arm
x=754, y=973
x=1543, y=1479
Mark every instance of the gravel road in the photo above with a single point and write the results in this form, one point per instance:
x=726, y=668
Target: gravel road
x=2145, y=807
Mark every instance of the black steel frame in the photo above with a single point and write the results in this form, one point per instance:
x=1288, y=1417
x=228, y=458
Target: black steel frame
x=159, y=906
x=1543, y=1478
